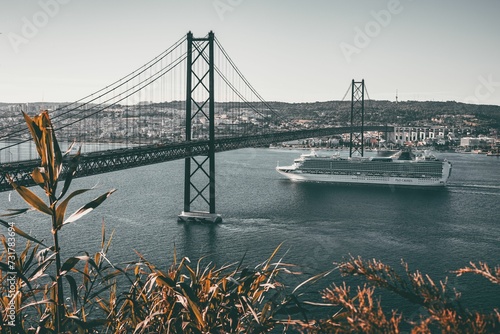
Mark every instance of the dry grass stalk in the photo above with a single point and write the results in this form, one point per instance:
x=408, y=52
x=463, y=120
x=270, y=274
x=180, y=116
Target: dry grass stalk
x=443, y=309
x=493, y=275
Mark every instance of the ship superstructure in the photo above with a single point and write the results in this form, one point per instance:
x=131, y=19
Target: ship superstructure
x=403, y=168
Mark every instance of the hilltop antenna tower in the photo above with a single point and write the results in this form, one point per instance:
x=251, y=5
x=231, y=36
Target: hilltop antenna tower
x=396, y=96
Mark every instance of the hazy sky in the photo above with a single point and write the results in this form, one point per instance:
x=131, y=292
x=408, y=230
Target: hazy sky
x=293, y=51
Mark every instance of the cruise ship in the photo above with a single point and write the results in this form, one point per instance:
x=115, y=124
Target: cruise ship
x=403, y=168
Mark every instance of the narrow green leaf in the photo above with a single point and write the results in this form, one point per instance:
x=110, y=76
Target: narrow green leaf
x=232, y=280
x=45, y=142
x=103, y=234
x=74, y=290
x=40, y=302
x=188, y=292
x=73, y=165
x=68, y=150
x=14, y=212
x=192, y=300
x=314, y=278
x=58, y=157
x=88, y=207
x=91, y=261
x=165, y=281
x=40, y=270
x=21, y=233
x=38, y=176
x=113, y=274
x=250, y=308
x=61, y=209
x=108, y=244
x=30, y=198
x=268, y=262
x=26, y=264
x=70, y=263
x=35, y=131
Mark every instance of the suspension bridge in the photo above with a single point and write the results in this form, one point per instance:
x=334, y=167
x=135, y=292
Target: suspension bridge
x=189, y=102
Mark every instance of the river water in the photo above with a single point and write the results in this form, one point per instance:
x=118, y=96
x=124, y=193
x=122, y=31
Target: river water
x=434, y=231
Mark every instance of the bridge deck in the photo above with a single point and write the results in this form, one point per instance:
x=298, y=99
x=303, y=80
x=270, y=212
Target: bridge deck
x=118, y=159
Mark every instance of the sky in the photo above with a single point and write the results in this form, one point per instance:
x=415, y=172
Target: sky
x=289, y=50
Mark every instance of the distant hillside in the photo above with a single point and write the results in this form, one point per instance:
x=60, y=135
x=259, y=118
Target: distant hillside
x=482, y=118
x=402, y=113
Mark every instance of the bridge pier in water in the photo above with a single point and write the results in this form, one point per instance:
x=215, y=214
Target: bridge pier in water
x=199, y=96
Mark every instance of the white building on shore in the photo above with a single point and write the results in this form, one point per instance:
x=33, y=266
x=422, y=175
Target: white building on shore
x=479, y=142
x=404, y=134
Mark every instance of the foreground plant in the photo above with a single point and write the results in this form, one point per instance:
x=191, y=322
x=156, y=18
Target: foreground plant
x=47, y=177
x=361, y=312
x=186, y=299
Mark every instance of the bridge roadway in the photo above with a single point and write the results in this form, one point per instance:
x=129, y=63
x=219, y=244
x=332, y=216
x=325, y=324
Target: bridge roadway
x=117, y=159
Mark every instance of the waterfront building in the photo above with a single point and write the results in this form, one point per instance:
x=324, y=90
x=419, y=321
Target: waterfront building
x=422, y=134
x=477, y=142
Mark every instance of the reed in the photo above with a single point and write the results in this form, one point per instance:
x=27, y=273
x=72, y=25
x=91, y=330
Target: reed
x=362, y=312
x=205, y=299
x=47, y=176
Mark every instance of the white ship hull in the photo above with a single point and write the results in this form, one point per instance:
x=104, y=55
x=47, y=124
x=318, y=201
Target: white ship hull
x=360, y=179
